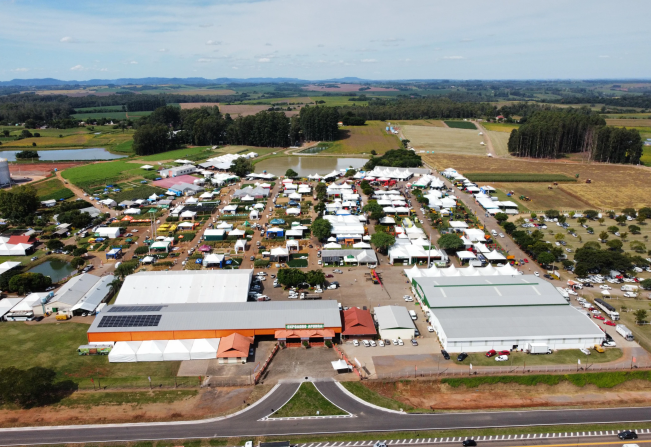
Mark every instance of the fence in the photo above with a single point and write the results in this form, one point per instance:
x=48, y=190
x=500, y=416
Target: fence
x=258, y=374
x=116, y=383
x=506, y=370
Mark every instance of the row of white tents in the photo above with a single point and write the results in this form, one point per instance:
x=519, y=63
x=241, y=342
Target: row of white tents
x=164, y=350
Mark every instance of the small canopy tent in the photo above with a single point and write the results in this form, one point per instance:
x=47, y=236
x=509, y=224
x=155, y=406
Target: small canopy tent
x=240, y=244
x=361, y=245
x=341, y=365
x=177, y=350
x=331, y=245
x=204, y=348
x=124, y=351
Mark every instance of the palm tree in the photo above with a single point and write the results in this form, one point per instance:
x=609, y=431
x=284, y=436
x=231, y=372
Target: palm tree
x=115, y=285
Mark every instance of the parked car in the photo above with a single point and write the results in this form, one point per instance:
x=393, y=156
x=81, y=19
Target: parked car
x=366, y=343
x=461, y=357
x=372, y=342
x=380, y=343
x=586, y=351
x=491, y=353
x=501, y=358
x=610, y=323
x=400, y=342
x=430, y=329
x=469, y=443
x=445, y=354
x=395, y=342
x=609, y=344
x=355, y=343
x=414, y=342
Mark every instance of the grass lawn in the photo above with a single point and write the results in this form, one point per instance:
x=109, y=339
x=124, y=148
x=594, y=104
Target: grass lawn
x=461, y=125
x=541, y=197
x=599, y=379
x=364, y=139
x=102, y=173
x=307, y=402
x=646, y=156
x=200, y=152
x=52, y=189
x=136, y=398
x=372, y=397
x=54, y=346
x=432, y=123
x=563, y=357
x=442, y=140
x=500, y=127
x=338, y=101
x=500, y=142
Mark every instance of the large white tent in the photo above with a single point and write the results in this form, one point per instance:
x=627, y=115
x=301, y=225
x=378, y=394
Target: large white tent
x=124, y=352
x=204, y=348
x=177, y=350
x=151, y=351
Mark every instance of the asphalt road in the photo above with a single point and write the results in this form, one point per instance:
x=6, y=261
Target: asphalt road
x=366, y=419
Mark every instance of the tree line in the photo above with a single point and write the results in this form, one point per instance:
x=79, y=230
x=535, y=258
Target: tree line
x=554, y=133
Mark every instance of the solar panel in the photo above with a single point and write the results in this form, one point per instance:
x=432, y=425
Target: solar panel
x=129, y=321
x=136, y=308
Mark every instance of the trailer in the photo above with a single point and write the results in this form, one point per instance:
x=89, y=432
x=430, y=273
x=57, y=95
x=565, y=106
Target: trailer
x=624, y=332
x=629, y=288
x=310, y=296
x=607, y=308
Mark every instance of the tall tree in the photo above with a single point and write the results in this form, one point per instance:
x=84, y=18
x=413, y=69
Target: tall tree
x=19, y=204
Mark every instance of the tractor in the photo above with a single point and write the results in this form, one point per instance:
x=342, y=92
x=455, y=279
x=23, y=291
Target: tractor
x=525, y=198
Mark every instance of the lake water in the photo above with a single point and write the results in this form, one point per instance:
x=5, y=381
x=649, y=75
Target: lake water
x=55, y=269
x=305, y=166
x=93, y=153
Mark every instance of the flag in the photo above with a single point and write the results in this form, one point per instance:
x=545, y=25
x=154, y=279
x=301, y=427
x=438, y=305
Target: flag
x=579, y=361
x=634, y=360
x=471, y=366
x=149, y=377
x=91, y=379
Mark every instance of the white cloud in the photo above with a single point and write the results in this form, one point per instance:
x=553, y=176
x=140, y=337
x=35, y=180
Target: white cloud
x=20, y=69
x=204, y=59
x=164, y=50
x=213, y=42
x=264, y=59
x=453, y=57
x=604, y=57
x=467, y=40
x=134, y=62
x=68, y=39
x=368, y=61
x=103, y=69
x=234, y=68
x=205, y=25
x=78, y=68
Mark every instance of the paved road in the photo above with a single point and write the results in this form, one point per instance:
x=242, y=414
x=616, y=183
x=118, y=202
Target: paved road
x=366, y=419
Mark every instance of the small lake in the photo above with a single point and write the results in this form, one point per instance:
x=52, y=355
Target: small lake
x=305, y=166
x=55, y=269
x=93, y=153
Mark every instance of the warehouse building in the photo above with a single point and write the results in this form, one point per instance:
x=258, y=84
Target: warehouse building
x=80, y=295
x=394, y=322
x=292, y=323
x=185, y=286
x=476, y=313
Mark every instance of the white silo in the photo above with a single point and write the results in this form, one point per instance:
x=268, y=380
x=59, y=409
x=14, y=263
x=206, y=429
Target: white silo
x=5, y=177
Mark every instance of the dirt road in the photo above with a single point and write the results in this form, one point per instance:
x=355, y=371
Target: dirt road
x=489, y=144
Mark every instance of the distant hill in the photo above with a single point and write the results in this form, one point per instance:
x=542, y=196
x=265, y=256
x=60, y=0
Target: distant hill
x=48, y=82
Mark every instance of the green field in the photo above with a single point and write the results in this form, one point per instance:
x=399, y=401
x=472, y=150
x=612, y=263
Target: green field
x=500, y=142
x=79, y=137
x=561, y=357
x=191, y=153
x=461, y=125
x=52, y=189
x=102, y=173
x=308, y=401
x=445, y=140
x=94, y=109
x=338, y=101
x=364, y=139
x=517, y=177
x=54, y=346
x=109, y=115
x=500, y=127
x=645, y=159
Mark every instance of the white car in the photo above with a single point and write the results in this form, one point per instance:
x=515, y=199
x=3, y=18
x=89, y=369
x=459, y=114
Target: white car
x=501, y=358
x=536, y=273
x=400, y=342
x=558, y=244
x=373, y=343
x=609, y=344
x=595, y=311
x=430, y=329
x=586, y=351
x=605, y=287
x=501, y=234
x=395, y=342
x=408, y=298
x=261, y=274
x=319, y=262
x=366, y=343
x=380, y=343
x=355, y=343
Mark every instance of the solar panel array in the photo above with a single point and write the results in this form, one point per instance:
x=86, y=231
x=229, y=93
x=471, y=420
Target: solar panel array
x=136, y=308
x=129, y=321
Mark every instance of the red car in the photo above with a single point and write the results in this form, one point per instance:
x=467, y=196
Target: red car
x=526, y=261
x=330, y=276
x=609, y=323
x=504, y=353
x=599, y=317
x=491, y=353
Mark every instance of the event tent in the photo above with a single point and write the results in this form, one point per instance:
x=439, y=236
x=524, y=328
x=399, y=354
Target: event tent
x=177, y=350
x=151, y=351
x=124, y=351
x=204, y=348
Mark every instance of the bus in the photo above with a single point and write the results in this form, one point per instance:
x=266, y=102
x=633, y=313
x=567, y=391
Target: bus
x=607, y=308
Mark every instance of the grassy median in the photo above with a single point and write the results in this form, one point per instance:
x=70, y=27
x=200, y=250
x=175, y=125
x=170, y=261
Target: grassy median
x=308, y=401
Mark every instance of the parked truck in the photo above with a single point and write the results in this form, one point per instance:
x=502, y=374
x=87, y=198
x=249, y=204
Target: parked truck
x=624, y=332
x=537, y=348
x=564, y=293
x=310, y=296
x=629, y=288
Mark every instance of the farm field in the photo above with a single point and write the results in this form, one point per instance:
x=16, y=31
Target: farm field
x=629, y=122
x=241, y=110
x=179, y=153
x=102, y=173
x=500, y=127
x=432, y=123
x=337, y=101
x=92, y=109
x=541, y=197
x=613, y=186
x=197, y=105
x=52, y=189
x=460, y=124
x=500, y=142
x=109, y=115
x=289, y=100
x=444, y=140
x=517, y=177
x=341, y=88
x=646, y=156
x=71, y=138
x=364, y=139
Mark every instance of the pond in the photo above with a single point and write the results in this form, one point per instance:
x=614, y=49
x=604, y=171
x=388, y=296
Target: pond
x=93, y=153
x=305, y=166
x=56, y=269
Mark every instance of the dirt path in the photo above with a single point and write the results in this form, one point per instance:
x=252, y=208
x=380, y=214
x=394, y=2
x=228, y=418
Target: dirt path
x=487, y=139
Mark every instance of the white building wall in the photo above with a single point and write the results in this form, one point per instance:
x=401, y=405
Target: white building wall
x=476, y=345
x=391, y=334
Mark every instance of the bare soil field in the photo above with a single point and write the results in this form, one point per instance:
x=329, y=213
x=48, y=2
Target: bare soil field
x=445, y=140
x=613, y=187
x=500, y=127
x=197, y=105
x=126, y=407
x=543, y=198
x=436, y=396
x=346, y=88
x=41, y=169
x=629, y=122
x=364, y=139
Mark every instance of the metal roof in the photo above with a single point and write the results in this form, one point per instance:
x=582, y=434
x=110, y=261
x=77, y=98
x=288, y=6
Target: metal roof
x=368, y=254
x=186, y=286
x=488, y=291
x=393, y=317
x=233, y=316
x=96, y=294
x=499, y=323
x=75, y=289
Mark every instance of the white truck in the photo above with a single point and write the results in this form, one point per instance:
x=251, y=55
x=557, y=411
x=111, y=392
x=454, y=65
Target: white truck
x=624, y=332
x=629, y=288
x=537, y=348
x=563, y=293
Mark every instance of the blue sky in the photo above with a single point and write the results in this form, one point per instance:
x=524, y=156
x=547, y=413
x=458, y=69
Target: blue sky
x=309, y=39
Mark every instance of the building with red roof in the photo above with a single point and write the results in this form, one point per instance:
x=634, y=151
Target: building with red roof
x=358, y=323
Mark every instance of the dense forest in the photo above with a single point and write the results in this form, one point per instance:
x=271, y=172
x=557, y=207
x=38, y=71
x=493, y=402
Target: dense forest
x=553, y=133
